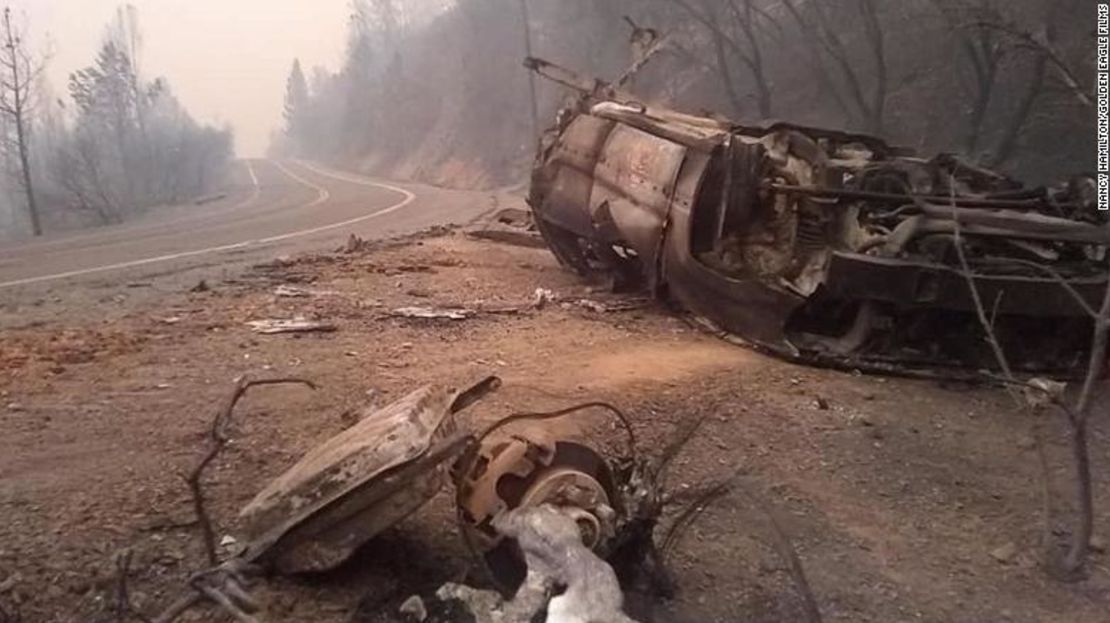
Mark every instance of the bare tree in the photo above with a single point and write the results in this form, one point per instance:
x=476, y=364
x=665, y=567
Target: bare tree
x=984, y=50
x=995, y=44
x=19, y=70
x=1044, y=41
x=736, y=29
x=826, y=42
x=1078, y=412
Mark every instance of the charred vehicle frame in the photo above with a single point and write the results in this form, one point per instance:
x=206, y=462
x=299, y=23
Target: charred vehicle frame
x=823, y=246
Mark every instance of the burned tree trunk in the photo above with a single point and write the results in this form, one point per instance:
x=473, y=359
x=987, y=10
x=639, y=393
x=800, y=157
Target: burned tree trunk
x=19, y=74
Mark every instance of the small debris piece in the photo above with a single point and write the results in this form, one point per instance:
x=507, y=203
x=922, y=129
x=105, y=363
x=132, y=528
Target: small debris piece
x=516, y=238
x=291, y=292
x=541, y=297
x=821, y=403
x=202, y=286
x=414, y=608
x=1097, y=544
x=1005, y=554
x=1040, y=392
x=354, y=244
x=615, y=305
x=288, y=291
x=296, y=325
x=170, y=320
x=593, y=306
x=228, y=541
x=431, y=313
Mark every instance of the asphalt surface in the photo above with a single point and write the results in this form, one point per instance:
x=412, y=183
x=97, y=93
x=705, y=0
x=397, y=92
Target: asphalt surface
x=272, y=209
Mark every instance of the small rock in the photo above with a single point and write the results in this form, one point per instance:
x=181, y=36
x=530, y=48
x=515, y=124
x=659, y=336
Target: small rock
x=1026, y=443
x=1097, y=544
x=10, y=583
x=354, y=245
x=348, y=419
x=1005, y=554
x=821, y=403
x=414, y=608
x=202, y=286
x=15, y=406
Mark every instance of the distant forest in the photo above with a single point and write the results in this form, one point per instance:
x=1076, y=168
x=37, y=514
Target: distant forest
x=117, y=143
x=440, y=94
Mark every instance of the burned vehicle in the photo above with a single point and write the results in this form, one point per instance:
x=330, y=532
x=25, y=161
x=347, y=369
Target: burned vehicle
x=818, y=245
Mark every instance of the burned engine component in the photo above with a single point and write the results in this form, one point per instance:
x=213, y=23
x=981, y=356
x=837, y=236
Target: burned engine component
x=817, y=245
x=355, y=485
x=524, y=472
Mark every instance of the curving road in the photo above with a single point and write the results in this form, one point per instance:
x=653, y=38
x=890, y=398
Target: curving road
x=275, y=208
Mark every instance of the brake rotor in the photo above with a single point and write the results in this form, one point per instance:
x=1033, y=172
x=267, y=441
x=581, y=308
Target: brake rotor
x=524, y=472
x=569, y=487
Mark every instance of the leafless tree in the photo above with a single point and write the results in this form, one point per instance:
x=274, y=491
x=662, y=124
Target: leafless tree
x=19, y=71
x=996, y=42
x=984, y=50
x=1044, y=41
x=826, y=42
x=1078, y=413
x=736, y=30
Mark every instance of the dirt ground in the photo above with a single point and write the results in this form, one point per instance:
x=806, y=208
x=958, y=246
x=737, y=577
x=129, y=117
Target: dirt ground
x=906, y=500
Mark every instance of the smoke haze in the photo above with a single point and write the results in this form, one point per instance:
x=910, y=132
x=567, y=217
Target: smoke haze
x=226, y=60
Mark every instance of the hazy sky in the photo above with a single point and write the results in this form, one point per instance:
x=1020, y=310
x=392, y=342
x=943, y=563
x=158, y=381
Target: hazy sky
x=226, y=60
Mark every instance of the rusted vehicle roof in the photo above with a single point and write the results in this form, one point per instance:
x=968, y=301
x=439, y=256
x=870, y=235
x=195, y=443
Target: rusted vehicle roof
x=818, y=245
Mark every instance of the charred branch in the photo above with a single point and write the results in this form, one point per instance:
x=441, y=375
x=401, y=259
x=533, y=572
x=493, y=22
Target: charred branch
x=218, y=438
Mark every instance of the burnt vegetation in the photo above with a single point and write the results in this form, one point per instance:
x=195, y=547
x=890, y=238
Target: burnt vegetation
x=828, y=246
x=115, y=144
x=438, y=93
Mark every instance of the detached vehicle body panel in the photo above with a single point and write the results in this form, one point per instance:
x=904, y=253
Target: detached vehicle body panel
x=824, y=246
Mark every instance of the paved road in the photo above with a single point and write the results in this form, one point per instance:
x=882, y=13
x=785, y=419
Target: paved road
x=275, y=208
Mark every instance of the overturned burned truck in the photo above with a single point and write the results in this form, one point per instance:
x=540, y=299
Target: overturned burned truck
x=818, y=245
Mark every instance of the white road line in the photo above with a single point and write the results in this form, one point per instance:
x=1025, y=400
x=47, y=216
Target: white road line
x=322, y=193
x=321, y=197
x=255, y=188
x=250, y=170
x=349, y=177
